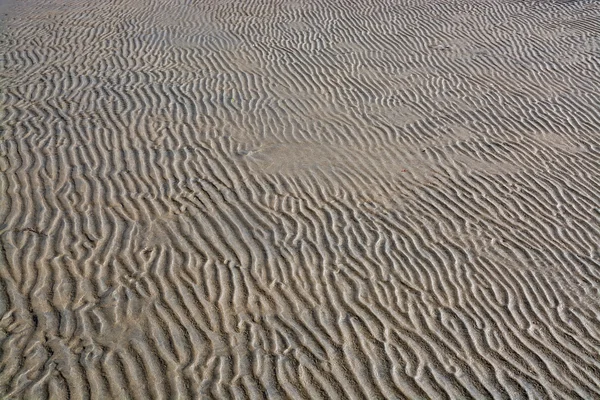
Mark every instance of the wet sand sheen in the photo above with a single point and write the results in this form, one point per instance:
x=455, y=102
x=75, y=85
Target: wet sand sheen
x=340, y=199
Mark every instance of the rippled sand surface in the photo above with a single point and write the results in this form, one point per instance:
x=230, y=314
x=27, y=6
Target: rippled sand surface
x=348, y=199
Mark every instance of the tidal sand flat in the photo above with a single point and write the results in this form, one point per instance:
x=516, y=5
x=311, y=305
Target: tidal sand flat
x=336, y=199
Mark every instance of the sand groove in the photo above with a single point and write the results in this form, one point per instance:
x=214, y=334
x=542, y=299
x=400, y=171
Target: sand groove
x=256, y=199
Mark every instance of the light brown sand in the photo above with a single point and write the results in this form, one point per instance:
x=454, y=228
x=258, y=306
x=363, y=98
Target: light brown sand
x=310, y=199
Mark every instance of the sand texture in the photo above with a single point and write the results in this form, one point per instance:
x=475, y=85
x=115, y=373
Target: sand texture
x=336, y=199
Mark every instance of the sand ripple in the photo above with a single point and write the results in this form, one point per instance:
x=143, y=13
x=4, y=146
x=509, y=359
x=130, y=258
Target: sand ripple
x=285, y=199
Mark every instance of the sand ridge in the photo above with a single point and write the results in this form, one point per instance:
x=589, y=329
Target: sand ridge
x=290, y=199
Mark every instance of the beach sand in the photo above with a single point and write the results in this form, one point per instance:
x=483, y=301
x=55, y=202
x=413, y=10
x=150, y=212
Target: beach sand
x=346, y=199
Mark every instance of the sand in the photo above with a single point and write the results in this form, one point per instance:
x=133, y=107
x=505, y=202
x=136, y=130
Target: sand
x=348, y=199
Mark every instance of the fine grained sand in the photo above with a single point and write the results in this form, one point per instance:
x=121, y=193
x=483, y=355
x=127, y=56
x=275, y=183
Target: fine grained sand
x=310, y=199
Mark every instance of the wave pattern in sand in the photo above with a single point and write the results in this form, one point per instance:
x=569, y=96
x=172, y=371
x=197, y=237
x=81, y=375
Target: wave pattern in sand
x=289, y=199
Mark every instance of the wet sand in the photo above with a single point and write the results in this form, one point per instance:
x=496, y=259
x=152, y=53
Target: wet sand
x=286, y=199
